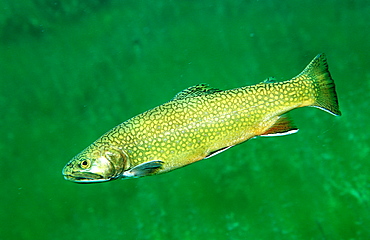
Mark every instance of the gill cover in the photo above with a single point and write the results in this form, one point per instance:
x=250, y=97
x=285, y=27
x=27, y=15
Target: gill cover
x=96, y=166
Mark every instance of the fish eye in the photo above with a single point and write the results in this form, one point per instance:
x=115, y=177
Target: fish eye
x=84, y=164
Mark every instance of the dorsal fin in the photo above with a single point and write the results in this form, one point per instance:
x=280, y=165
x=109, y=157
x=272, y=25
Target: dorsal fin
x=197, y=90
x=270, y=80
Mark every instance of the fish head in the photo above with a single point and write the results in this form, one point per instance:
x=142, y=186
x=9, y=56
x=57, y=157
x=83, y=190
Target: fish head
x=96, y=165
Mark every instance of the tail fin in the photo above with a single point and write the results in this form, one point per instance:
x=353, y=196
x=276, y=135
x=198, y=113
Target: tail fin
x=325, y=94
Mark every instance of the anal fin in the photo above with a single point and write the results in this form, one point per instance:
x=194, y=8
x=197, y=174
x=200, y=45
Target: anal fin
x=283, y=126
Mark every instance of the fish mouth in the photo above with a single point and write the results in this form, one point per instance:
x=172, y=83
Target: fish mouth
x=84, y=177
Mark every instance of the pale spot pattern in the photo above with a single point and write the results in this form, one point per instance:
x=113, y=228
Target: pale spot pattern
x=186, y=130
x=202, y=121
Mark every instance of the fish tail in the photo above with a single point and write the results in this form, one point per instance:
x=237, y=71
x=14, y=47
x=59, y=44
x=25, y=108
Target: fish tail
x=325, y=97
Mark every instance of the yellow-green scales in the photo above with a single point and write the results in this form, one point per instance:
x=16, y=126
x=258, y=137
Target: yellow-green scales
x=200, y=122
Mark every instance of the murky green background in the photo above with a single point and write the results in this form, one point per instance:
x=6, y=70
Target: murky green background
x=72, y=69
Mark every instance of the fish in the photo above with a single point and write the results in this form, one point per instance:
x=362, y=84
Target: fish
x=201, y=122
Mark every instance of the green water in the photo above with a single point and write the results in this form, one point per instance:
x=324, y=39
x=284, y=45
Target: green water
x=71, y=70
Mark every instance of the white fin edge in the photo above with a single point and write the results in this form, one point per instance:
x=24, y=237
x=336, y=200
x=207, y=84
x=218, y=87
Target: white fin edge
x=281, y=134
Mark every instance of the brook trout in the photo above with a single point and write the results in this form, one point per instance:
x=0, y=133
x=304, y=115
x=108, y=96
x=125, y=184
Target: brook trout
x=200, y=122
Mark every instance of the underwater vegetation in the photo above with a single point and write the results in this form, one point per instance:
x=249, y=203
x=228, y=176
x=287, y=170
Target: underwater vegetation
x=70, y=70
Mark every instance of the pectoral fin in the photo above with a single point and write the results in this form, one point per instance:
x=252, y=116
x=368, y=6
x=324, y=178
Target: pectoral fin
x=143, y=169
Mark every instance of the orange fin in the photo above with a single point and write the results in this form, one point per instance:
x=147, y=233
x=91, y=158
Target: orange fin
x=283, y=126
